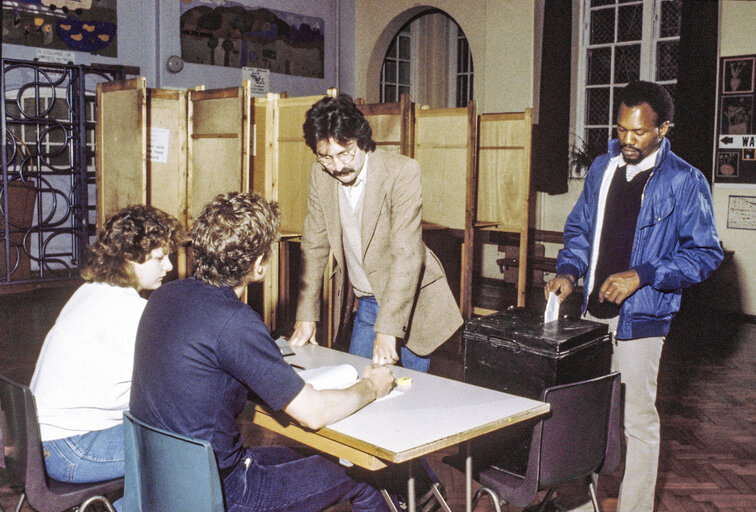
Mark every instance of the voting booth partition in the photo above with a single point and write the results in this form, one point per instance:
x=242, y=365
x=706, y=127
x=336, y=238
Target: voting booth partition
x=281, y=172
x=171, y=149
x=177, y=149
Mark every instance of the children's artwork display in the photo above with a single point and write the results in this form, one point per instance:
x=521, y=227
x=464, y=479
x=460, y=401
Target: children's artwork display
x=226, y=33
x=79, y=25
x=736, y=135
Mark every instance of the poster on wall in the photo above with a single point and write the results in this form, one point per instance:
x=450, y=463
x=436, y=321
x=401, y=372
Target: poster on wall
x=736, y=134
x=79, y=25
x=226, y=33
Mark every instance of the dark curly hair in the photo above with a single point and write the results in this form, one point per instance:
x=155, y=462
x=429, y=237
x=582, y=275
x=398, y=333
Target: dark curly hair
x=340, y=119
x=233, y=230
x=130, y=234
x=657, y=97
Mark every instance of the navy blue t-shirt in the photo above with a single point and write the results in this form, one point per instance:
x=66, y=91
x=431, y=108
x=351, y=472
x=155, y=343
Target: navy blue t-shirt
x=198, y=351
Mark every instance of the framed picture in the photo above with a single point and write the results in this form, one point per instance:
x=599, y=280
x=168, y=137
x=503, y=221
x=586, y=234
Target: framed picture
x=727, y=164
x=738, y=75
x=749, y=154
x=736, y=114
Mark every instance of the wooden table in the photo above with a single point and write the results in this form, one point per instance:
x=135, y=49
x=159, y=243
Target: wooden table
x=432, y=414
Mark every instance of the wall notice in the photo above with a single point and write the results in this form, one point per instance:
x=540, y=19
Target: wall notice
x=741, y=213
x=157, y=149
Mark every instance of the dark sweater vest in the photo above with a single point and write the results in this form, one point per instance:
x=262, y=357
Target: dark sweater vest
x=623, y=202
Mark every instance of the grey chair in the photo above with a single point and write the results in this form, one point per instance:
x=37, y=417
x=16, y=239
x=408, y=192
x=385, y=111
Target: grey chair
x=168, y=471
x=21, y=455
x=579, y=439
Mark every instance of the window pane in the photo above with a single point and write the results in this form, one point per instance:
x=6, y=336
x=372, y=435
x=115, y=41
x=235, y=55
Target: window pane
x=389, y=94
x=404, y=47
x=462, y=54
x=627, y=63
x=596, y=140
x=599, y=66
x=597, y=3
x=602, y=26
x=630, y=23
x=616, y=99
x=461, y=85
x=391, y=52
x=670, y=18
x=389, y=71
x=666, y=60
x=597, y=101
x=672, y=90
x=404, y=72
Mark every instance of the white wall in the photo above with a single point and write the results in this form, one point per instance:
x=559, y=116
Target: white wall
x=737, y=37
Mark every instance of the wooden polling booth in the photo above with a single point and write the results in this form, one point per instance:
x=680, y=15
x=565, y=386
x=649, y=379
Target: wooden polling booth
x=281, y=172
x=445, y=142
x=393, y=124
x=504, y=182
x=171, y=149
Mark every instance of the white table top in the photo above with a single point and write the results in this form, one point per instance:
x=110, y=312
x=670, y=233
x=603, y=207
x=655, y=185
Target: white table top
x=433, y=413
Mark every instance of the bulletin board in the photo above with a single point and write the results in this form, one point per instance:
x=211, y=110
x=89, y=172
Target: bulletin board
x=736, y=133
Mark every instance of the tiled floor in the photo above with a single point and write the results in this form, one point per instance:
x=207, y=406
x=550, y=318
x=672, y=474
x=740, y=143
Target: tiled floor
x=707, y=388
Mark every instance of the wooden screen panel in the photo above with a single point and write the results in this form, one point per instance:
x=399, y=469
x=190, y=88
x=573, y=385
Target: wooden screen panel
x=392, y=124
x=167, y=176
x=295, y=159
x=218, y=139
x=442, y=148
x=121, y=170
x=282, y=160
x=504, y=170
x=504, y=180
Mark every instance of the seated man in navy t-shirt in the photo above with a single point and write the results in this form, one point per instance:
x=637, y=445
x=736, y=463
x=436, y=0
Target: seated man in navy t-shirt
x=199, y=351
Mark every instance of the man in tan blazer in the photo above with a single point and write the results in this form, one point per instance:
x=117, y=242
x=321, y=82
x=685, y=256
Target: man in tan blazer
x=365, y=206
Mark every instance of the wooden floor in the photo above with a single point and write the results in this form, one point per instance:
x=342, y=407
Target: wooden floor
x=707, y=392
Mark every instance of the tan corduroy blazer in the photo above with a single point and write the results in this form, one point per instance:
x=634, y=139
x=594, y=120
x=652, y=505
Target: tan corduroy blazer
x=414, y=299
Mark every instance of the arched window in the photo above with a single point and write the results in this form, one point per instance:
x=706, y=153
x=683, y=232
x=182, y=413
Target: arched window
x=430, y=59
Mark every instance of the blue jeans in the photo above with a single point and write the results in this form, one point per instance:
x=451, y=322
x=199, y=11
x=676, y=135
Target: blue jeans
x=276, y=478
x=92, y=457
x=363, y=337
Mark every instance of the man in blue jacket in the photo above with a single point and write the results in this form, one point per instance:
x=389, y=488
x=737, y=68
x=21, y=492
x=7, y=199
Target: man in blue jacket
x=642, y=230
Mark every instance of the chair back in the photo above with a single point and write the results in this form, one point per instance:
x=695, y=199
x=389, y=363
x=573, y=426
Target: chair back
x=574, y=438
x=21, y=454
x=167, y=471
x=18, y=442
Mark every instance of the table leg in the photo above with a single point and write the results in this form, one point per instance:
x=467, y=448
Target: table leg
x=411, y=502
x=468, y=479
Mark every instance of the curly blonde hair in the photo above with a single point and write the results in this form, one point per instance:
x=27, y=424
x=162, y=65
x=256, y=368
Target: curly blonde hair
x=233, y=230
x=130, y=234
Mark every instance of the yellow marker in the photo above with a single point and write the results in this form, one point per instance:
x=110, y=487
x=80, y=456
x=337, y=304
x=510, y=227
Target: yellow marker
x=404, y=382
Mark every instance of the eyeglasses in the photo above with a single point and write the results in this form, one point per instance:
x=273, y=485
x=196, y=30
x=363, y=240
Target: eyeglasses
x=345, y=157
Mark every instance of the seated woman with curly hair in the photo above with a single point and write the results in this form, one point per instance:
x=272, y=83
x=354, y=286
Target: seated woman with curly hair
x=82, y=379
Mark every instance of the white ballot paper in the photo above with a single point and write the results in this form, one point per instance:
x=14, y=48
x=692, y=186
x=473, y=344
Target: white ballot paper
x=337, y=377
x=331, y=377
x=552, y=309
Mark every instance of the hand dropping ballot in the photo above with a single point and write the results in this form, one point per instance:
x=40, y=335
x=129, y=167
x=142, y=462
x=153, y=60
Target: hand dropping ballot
x=552, y=309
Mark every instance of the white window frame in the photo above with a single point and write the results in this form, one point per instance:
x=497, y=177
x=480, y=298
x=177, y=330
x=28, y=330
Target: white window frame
x=455, y=34
x=410, y=32
x=651, y=24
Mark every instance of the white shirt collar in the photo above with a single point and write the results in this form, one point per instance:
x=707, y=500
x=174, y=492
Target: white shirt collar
x=644, y=165
x=354, y=190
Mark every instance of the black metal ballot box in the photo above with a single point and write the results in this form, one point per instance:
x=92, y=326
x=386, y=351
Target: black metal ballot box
x=516, y=352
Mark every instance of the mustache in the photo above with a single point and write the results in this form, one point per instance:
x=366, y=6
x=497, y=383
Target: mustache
x=628, y=146
x=343, y=172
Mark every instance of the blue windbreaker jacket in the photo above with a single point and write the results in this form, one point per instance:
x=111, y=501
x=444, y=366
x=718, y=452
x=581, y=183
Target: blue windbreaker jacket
x=675, y=244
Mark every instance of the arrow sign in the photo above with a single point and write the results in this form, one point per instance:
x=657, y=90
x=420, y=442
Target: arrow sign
x=737, y=141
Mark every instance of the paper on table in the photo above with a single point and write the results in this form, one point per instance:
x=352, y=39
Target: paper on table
x=331, y=377
x=336, y=377
x=552, y=309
